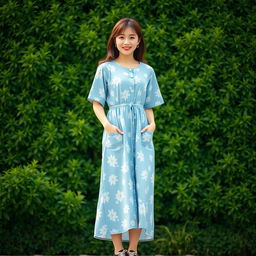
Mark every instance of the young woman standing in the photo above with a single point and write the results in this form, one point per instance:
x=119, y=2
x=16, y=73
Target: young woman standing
x=129, y=86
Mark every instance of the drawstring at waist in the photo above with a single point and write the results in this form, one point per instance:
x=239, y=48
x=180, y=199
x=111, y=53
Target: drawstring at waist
x=132, y=105
x=126, y=104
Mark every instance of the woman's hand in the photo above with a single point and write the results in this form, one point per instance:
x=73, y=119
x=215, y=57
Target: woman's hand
x=110, y=128
x=151, y=127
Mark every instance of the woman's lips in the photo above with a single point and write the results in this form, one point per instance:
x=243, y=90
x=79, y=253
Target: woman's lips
x=127, y=48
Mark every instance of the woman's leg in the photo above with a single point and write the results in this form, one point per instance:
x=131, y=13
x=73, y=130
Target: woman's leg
x=134, y=235
x=117, y=241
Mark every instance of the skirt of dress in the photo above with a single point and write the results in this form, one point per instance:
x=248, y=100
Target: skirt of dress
x=126, y=194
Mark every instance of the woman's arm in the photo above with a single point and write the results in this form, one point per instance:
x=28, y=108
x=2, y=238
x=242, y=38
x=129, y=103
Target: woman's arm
x=100, y=113
x=150, y=118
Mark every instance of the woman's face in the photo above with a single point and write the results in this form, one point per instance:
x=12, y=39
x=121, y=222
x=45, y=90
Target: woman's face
x=127, y=41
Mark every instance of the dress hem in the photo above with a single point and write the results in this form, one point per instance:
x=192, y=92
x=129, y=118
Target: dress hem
x=125, y=240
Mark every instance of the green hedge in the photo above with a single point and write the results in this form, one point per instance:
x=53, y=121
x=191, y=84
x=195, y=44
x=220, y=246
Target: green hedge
x=203, y=53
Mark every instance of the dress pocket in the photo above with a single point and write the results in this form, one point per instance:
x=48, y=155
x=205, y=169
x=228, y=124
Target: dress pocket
x=147, y=139
x=114, y=140
x=113, y=133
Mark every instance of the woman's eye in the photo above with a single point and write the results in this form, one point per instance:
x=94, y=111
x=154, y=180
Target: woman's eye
x=121, y=37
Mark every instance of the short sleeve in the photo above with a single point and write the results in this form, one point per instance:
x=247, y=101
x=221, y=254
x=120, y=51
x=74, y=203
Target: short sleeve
x=153, y=94
x=98, y=89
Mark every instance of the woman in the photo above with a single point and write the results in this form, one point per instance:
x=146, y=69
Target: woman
x=129, y=85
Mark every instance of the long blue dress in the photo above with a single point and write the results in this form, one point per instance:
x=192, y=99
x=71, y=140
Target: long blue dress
x=126, y=194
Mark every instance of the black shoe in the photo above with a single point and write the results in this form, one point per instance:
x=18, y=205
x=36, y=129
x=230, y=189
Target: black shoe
x=132, y=253
x=122, y=252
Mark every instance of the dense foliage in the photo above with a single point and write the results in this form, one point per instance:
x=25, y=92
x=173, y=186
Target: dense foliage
x=203, y=53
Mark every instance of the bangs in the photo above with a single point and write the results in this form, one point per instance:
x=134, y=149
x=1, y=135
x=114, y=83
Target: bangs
x=122, y=28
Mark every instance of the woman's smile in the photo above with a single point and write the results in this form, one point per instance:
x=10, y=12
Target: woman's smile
x=127, y=48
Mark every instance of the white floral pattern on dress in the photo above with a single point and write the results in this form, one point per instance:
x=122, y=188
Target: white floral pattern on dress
x=112, y=161
x=105, y=197
x=125, y=224
x=146, y=137
x=116, y=81
x=126, y=208
x=99, y=213
x=142, y=208
x=112, y=179
x=112, y=215
x=119, y=196
x=144, y=175
x=125, y=94
x=103, y=230
x=140, y=156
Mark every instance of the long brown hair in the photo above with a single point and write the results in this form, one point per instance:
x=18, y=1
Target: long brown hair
x=120, y=26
